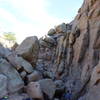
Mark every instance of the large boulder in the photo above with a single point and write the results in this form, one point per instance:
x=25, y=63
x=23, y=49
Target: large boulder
x=48, y=74
x=29, y=49
x=19, y=62
x=3, y=85
x=48, y=87
x=47, y=41
x=35, y=76
x=34, y=90
x=4, y=51
x=61, y=28
x=50, y=40
x=51, y=32
x=15, y=82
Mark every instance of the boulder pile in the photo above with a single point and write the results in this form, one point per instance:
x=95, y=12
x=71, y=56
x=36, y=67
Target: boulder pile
x=67, y=58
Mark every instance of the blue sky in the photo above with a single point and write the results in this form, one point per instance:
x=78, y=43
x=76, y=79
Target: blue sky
x=35, y=17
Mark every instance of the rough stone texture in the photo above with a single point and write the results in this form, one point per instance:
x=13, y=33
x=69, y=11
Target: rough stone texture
x=28, y=49
x=95, y=77
x=85, y=76
x=23, y=74
x=49, y=40
x=60, y=87
x=81, y=46
x=48, y=87
x=69, y=57
x=19, y=62
x=35, y=76
x=61, y=28
x=15, y=82
x=34, y=90
x=3, y=51
x=3, y=85
x=51, y=32
x=94, y=93
x=77, y=51
x=25, y=65
x=18, y=96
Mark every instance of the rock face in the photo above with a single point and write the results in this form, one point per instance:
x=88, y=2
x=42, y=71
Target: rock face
x=95, y=77
x=3, y=51
x=68, y=58
x=51, y=32
x=94, y=93
x=34, y=90
x=29, y=49
x=61, y=28
x=15, y=83
x=18, y=96
x=19, y=62
x=75, y=57
x=3, y=85
x=48, y=87
x=35, y=76
x=25, y=65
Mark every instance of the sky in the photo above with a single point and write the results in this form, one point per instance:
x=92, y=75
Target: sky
x=35, y=17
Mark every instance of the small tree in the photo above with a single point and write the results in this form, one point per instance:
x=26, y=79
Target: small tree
x=10, y=36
